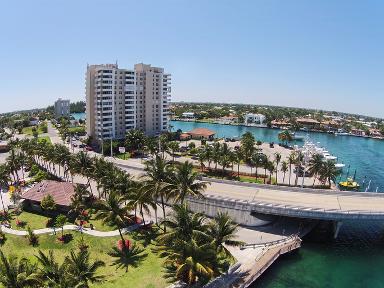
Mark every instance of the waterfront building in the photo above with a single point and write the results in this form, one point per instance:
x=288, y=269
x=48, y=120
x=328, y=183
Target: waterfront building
x=201, y=134
x=118, y=100
x=251, y=118
x=188, y=115
x=62, y=108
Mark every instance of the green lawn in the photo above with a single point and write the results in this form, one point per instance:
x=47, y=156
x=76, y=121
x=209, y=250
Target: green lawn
x=42, y=138
x=78, y=129
x=38, y=221
x=35, y=221
x=28, y=130
x=149, y=274
x=123, y=156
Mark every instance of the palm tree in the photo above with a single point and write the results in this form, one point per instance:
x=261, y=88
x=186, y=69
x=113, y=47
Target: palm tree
x=285, y=136
x=298, y=160
x=216, y=153
x=174, y=147
x=271, y=169
x=15, y=273
x=238, y=158
x=223, y=231
x=51, y=272
x=113, y=211
x=82, y=164
x=183, y=226
x=315, y=165
x=291, y=160
x=4, y=181
x=142, y=198
x=158, y=172
x=284, y=169
x=277, y=160
x=184, y=182
x=328, y=172
x=192, y=264
x=134, y=140
x=247, y=145
x=81, y=270
x=127, y=256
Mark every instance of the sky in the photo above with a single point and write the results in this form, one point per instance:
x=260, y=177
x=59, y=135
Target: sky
x=324, y=54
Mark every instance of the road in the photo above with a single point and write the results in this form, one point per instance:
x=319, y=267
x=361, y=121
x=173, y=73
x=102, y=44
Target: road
x=303, y=198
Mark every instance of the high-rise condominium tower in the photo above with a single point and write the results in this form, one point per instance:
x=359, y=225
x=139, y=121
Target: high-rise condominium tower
x=62, y=108
x=120, y=99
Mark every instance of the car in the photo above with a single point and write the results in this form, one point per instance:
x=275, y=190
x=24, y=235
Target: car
x=88, y=148
x=74, y=145
x=81, y=146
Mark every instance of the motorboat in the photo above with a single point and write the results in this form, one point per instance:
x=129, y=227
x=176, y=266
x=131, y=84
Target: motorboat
x=349, y=185
x=339, y=166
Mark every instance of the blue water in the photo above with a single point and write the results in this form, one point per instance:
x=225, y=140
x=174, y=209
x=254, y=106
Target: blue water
x=356, y=258
x=78, y=116
x=364, y=155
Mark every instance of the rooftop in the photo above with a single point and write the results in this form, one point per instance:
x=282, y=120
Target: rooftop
x=60, y=191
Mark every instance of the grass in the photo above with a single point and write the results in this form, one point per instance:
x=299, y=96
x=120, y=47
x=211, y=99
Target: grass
x=123, y=156
x=42, y=138
x=149, y=273
x=35, y=221
x=77, y=129
x=28, y=130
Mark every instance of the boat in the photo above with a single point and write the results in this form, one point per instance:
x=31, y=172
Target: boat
x=340, y=166
x=349, y=185
x=297, y=137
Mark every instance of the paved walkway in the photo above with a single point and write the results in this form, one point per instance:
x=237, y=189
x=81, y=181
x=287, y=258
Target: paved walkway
x=73, y=228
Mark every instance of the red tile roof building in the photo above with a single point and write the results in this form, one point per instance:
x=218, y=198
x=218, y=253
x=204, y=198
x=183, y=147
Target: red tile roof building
x=60, y=191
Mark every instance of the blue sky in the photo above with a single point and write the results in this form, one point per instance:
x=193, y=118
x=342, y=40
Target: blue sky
x=319, y=54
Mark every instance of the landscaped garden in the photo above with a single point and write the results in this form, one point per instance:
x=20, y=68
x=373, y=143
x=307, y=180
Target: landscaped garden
x=149, y=272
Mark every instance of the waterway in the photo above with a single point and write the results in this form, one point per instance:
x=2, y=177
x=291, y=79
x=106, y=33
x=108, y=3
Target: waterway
x=356, y=258
x=363, y=155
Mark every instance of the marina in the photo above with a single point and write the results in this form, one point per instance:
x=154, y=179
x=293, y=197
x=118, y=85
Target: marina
x=363, y=155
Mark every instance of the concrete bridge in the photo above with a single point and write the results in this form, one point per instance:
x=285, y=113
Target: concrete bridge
x=255, y=205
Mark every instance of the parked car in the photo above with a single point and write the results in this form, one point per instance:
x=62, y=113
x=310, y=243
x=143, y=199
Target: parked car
x=88, y=148
x=81, y=146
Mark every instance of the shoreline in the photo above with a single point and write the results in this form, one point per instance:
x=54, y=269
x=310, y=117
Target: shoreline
x=277, y=128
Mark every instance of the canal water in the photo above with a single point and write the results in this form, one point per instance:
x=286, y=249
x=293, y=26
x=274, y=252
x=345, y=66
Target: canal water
x=356, y=258
x=363, y=155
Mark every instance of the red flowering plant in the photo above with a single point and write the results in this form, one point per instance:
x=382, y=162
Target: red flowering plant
x=120, y=244
x=20, y=223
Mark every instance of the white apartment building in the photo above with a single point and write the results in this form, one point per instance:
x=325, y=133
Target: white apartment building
x=118, y=100
x=251, y=118
x=62, y=108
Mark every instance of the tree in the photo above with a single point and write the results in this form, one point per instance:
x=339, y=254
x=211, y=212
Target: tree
x=174, y=147
x=51, y=272
x=223, y=231
x=315, y=165
x=134, y=140
x=81, y=270
x=60, y=222
x=158, y=172
x=277, y=160
x=4, y=181
x=247, y=144
x=48, y=204
x=291, y=160
x=127, y=256
x=284, y=169
x=328, y=172
x=185, y=182
x=285, y=136
x=112, y=211
x=15, y=273
x=238, y=154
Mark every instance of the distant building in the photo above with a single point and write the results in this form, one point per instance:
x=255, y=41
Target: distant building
x=251, y=118
x=188, y=115
x=62, y=108
x=119, y=100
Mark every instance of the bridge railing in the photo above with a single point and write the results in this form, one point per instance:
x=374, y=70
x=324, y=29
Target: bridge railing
x=294, y=189
x=291, y=210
